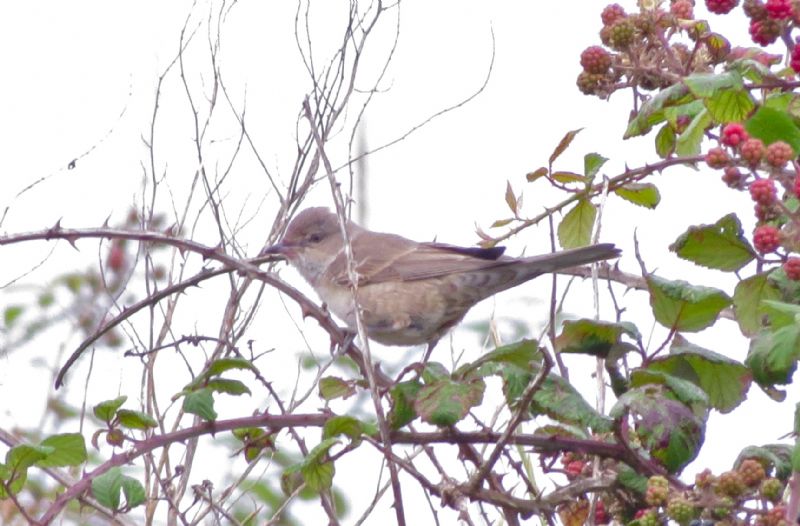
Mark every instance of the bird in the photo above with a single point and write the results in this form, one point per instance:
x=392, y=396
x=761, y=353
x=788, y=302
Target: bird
x=409, y=293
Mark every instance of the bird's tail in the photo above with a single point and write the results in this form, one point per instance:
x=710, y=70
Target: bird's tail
x=571, y=258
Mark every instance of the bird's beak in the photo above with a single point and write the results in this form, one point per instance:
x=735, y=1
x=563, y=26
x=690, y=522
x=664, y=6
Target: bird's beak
x=280, y=249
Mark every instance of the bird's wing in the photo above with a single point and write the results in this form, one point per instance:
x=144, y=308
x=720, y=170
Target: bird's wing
x=394, y=258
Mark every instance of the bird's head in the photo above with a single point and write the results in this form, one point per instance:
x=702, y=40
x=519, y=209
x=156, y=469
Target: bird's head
x=312, y=241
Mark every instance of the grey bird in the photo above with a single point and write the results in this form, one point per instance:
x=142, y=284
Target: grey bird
x=409, y=292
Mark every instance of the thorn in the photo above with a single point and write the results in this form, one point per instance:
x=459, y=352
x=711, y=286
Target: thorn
x=105, y=223
x=71, y=240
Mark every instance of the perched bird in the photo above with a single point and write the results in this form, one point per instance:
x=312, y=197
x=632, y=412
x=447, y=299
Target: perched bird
x=410, y=293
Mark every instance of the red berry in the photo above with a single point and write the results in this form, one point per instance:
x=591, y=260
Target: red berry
x=752, y=151
x=765, y=32
x=717, y=158
x=795, y=60
x=574, y=469
x=779, y=9
x=763, y=192
x=611, y=13
x=595, y=59
x=733, y=134
x=683, y=9
x=792, y=268
x=721, y=6
x=767, y=239
x=779, y=153
x=600, y=515
x=797, y=186
x=116, y=258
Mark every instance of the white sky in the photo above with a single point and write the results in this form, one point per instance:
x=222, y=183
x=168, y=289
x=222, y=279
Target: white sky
x=71, y=69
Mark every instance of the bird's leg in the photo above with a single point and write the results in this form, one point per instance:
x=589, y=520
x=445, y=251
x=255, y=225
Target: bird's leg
x=428, y=352
x=349, y=338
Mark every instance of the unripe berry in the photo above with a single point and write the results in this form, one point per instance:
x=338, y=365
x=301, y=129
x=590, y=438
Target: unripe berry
x=766, y=213
x=755, y=9
x=779, y=9
x=591, y=83
x=752, y=472
x=772, y=489
x=649, y=518
x=717, y=158
x=763, y=191
x=766, y=239
x=683, y=9
x=752, y=151
x=765, y=32
x=115, y=438
x=680, y=510
x=732, y=177
x=657, y=491
x=721, y=7
x=779, y=153
x=792, y=269
x=611, y=13
x=704, y=479
x=733, y=134
x=595, y=59
x=622, y=34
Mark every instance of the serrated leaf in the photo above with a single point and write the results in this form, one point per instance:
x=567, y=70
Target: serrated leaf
x=563, y=144
x=592, y=162
x=227, y=386
x=106, y=409
x=721, y=245
x=349, y=426
x=445, y=402
x=642, y=194
x=221, y=365
x=69, y=449
x=666, y=428
x=575, y=229
x=723, y=379
x=20, y=458
x=748, y=297
x=684, y=307
x=402, y=411
x=331, y=387
x=592, y=337
x=652, y=113
x=133, y=491
x=511, y=199
x=770, y=125
x=691, y=139
x=317, y=471
x=773, y=355
x=730, y=105
x=106, y=488
x=703, y=85
x=665, y=141
x=200, y=403
x=520, y=353
x=536, y=174
x=684, y=391
x=135, y=419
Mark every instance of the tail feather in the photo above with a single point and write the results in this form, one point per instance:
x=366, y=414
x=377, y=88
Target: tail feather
x=571, y=258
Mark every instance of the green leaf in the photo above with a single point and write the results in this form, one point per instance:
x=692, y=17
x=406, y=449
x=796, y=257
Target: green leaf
x=568, y=177
x=520, y=353
x=730, y=105
x=575, y=229
x=720, y=246
x=21, y=457
x=703, y=85
x=221, y=365
x=200, y=403
x=135, y=419
x=10, y=314
x=724, y=380
x=227, y=386
x=592, y=162
x=349, y=426
x=666, y=428
x=69, y=449
x=642, y=194
x=331, y=387
x=683, y=307
x=402, y=411
x=665, y=141
x=770, y=125
x=691, y=139
x=747, y=302
x=592, y=337
x=106, y=410
x=773, y=355
x=652, y=113
x=133, y=491
x=563, y=144
x=445, y=402
x=317, y=471
x=684, y=391
x=106, y=488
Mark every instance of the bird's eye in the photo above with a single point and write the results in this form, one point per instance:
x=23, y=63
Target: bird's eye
x=314, y=238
